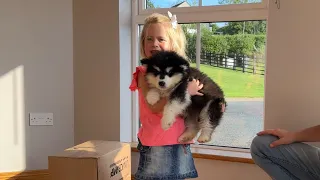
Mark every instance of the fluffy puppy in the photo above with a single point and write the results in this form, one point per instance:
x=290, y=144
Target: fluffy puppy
x=168, y=75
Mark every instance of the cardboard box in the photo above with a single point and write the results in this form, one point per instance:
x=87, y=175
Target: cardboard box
x=92, y=160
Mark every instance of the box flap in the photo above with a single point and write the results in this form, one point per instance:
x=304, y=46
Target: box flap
x=92, y=149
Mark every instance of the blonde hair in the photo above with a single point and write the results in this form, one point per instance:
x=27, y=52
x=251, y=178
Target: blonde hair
x=176, y=36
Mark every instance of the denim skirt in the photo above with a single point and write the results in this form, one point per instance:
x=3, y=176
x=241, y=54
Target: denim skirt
x=173, y=162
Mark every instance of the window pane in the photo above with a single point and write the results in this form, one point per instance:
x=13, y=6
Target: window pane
x=170, y=3
x=233, y=55
x=226, y=2
x=190, y=31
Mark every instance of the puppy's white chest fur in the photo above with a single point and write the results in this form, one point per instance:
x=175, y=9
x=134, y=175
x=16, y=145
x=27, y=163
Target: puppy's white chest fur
x=153, y=96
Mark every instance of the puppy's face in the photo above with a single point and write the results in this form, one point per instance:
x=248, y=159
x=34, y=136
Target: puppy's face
x=163, y=78
x=165, y=69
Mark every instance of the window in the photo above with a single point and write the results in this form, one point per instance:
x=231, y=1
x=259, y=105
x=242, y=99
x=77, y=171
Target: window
x=226, y=40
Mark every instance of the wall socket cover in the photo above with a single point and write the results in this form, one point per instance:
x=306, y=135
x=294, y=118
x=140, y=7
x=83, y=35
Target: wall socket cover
x=41, y=119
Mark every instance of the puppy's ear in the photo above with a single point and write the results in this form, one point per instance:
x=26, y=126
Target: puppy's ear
x=185, y=65
x=144, y=61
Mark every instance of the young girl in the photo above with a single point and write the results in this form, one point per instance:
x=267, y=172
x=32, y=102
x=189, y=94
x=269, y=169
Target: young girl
x=161, y=155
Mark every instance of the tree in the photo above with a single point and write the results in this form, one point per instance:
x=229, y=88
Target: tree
x=150, y=4
x=191, y=2
x=214, y=28
x=250, y=27
x=237, y=26
x=237, y=1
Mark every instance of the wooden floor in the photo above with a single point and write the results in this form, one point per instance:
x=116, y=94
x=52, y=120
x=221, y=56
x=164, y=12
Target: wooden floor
x=26, y=175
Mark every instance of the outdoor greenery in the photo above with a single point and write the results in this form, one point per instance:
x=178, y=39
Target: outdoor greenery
x=229, y=42
x=235, y=84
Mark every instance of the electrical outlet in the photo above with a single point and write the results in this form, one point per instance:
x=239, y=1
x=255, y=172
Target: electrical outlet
x=41, y=119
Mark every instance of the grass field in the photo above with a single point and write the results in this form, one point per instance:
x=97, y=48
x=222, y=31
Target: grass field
x=236, y=83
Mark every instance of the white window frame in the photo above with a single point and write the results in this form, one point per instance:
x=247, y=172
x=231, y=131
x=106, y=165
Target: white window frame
x=220, y=13
x=200, y=8
x=195, y=14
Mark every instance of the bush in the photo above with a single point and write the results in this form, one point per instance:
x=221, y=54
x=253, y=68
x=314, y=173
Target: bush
x=260, y=41
x=241, y=44
x=191, y=46
x=215, y=44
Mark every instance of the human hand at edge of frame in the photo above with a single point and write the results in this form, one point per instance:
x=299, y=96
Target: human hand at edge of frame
x=285, y=137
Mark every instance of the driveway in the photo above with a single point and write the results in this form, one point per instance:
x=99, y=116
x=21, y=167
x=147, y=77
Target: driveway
x=242, y=120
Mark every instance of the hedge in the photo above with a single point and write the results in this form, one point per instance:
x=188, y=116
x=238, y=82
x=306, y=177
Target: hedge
x=244, y=44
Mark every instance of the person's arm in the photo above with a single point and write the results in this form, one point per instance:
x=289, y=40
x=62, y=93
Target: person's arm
x=158, y=106
x=311, y=134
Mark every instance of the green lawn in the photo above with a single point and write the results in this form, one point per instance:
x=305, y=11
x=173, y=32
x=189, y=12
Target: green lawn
x=235, y=83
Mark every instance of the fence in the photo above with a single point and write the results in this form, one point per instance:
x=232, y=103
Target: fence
x=254, y=64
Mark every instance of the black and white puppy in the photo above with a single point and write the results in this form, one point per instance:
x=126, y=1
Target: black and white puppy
x=168, y=74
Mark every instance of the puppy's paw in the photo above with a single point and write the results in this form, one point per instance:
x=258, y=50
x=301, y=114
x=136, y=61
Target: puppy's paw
x=153, y=96
x=166, y=123
x=204, y=138
x=185, y=137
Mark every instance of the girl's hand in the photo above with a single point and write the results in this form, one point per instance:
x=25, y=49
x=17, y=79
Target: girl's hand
x=285, y=137
x=194, y=87
x=223, y=107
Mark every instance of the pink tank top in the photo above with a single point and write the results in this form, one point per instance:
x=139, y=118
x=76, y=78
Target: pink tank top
x=151, y=133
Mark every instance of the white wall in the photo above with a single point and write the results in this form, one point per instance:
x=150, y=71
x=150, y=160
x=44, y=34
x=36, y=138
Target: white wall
x=292, y=97
x=36, y=75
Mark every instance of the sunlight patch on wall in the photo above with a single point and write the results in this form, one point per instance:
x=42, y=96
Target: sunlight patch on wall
x=12, y=121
